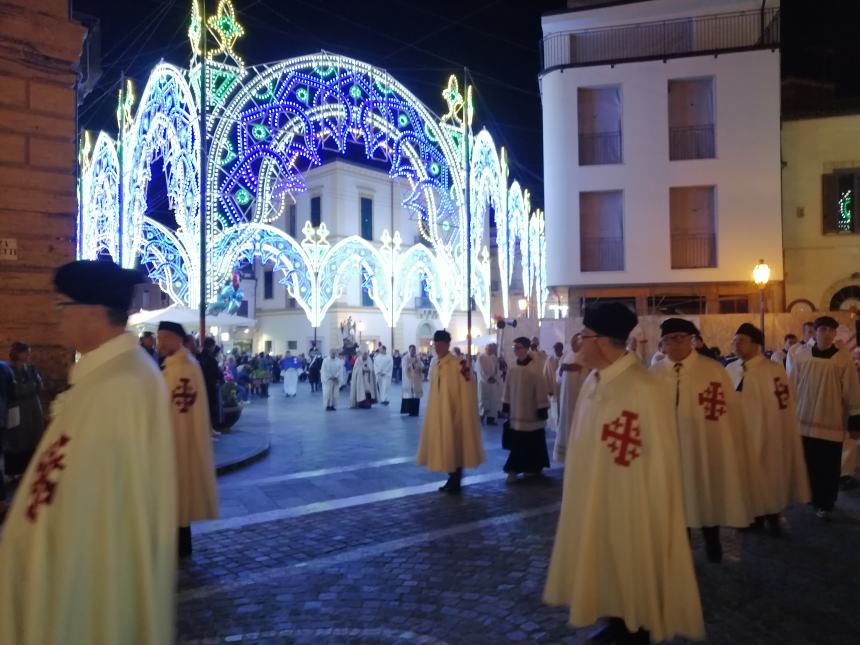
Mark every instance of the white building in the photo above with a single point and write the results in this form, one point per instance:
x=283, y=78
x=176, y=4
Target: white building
x=351, y=199
x=820, y=179
x=661, y=125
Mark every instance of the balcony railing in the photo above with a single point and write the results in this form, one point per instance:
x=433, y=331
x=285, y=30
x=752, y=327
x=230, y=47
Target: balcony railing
x=667, y=39
x=599, y=148
x=692, y=142
x=694, y=251
x=601, y=253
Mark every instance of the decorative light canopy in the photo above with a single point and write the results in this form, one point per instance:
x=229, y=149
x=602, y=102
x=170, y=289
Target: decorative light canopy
x=265, y=128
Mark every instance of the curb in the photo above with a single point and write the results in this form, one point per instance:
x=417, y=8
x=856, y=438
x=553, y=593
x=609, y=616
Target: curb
x=247, y=459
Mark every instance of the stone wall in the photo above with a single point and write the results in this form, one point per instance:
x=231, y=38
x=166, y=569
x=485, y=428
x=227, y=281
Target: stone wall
x=39, y=51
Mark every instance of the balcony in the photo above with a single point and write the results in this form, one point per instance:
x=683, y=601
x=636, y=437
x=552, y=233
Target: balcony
x=601, y=254
x=694, y=251
x=599, y=148
x=692, y=142
x=700, y=35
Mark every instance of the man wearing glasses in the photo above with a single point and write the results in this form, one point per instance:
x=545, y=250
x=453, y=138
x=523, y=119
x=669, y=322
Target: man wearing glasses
x=620, y=550
x=709, y=417
x=88, y=553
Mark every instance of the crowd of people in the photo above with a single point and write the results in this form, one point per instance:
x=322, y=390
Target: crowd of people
x=109, y=490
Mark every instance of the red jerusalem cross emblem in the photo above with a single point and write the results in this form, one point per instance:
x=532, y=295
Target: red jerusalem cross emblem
x=713, y=400
x=780, y=391
x=623, y=436
x=45, y=484
x=184, y=395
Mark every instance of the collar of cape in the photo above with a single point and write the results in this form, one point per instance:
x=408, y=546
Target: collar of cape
x=621, y=365
x=93, y=360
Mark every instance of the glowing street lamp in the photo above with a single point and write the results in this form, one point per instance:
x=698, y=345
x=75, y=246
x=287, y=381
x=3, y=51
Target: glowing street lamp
x=523, y=305
x=761, y=274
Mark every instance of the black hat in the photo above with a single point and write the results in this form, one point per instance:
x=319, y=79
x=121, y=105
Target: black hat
x=612, y=319
x=176, y=328
x=677, y=326
x=523, y=342
x=441, y=336
x=92, y=282
x=825, y=321
x=753, y=332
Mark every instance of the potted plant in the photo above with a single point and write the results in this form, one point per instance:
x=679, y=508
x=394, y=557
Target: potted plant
x=232, y=405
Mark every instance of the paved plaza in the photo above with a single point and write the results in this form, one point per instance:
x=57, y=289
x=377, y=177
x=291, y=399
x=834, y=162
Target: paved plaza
x=336, y=536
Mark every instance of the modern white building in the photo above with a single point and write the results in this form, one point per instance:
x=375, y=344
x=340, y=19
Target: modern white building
x=820, y=179
x=350, y=199
x=661, y=123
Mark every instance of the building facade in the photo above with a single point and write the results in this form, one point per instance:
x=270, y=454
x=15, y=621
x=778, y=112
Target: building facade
x=661, y=128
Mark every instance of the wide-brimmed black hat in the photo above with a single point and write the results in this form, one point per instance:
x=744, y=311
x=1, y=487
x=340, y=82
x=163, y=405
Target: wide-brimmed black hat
x=748, y=329
x=92, y=282
x=611, y=319
x=677, y=326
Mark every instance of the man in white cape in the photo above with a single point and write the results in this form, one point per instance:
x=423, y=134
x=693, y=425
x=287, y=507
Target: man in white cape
x=189, y=412
x=572, y=375
x=777, y=469
x=491, y=385
x=383, y=367
x=828, y=393
x=88, y=550
x=413, y=375
x=451, y=434
x=362, y=393
x=714, y=462
x=331, y=372
x=621, y=549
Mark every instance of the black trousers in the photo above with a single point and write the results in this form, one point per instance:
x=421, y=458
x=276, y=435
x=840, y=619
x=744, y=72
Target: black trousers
x=824, y=465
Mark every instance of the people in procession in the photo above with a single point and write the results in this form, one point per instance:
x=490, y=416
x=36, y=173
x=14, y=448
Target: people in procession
x=88, y=550
x=777, y=469
x=711, y=436
x=550, y=374
x=331, y=373
x=571, y=375
x=363, y=393
x=620, y=551
x=526, y=402
x=828, y=407
x=413, y=387
x=383, y=366
x=451, y=434
x=290, y=368
x=491, y=385
x=189, y=413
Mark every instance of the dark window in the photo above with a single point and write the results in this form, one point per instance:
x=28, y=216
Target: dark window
x=839, y=207
x=292, y=220
x=599, y=114
x=676, y=305
x=366, y=218
x=243, y=309
x=691, y=119
x=734, y=305
x=292, y=304
x=292, y=344
x=692, y=225
x=601, y=231
x=316, y=211
x=267, y=346
x=366, y=300
x=268, y=285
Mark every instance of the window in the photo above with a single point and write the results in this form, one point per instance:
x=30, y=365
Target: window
x=268, y=285
x=267, y=346
x=677, y=305
x=316, y=211
x=366, y=213
x=839, y=207
x=601, y=231
x=243, y=309
x=366, y=300
x=599, y=117
x=692, y=227
x=292, y=304
x=691, y=119
x=291, y=221
x=734, y=305
x=292, y=345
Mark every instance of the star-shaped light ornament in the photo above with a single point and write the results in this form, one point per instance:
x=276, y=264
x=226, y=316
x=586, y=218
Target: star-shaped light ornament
x=454, y=99
x=227, y=31
x=194, y=31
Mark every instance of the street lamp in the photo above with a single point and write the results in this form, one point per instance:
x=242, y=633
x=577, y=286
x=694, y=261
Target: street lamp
x=761, y=274
x=523, y=305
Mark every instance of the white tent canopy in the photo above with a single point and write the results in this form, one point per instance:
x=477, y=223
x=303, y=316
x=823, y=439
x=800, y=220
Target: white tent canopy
x=187, y=317
x=480, y=341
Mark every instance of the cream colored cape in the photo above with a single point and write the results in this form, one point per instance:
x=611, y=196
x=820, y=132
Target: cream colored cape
x=413, y=375
x=451, y=434
x=490, y=393
x=195, y=465
x=621, y=548
x=714, y=462
x=773, y=436
x=88, y=550
x=362, y=383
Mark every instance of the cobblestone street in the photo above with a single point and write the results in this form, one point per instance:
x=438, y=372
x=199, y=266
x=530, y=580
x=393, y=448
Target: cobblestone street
x=337, y=537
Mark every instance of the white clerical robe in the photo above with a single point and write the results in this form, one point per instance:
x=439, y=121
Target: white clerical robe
x=570, y=383
x=332, y=369
x=526, y=394
x=827, y=391
x=88, y=550
x=195, y=465
x=363, y=382
x=491, y=385
x=451, y=433
x=778, y=469
x=714, y=461
x=383, y=366
x=621, y=548
x=413, y=375
x=550, y=375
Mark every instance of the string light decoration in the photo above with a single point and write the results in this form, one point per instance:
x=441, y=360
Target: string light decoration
x=265, y=128
x=846, y=218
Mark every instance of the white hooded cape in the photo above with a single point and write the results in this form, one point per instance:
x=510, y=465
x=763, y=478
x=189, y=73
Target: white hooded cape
x=363, y=381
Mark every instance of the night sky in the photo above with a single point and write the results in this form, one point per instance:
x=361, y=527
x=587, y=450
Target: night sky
x=422, y=43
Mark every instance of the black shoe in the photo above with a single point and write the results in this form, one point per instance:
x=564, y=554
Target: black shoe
x=773, y=525
x=491, y=421
x=609, y=632
x=713, y=548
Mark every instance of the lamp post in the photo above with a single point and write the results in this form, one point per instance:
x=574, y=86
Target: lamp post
x=523, y=305
x=761, y=274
